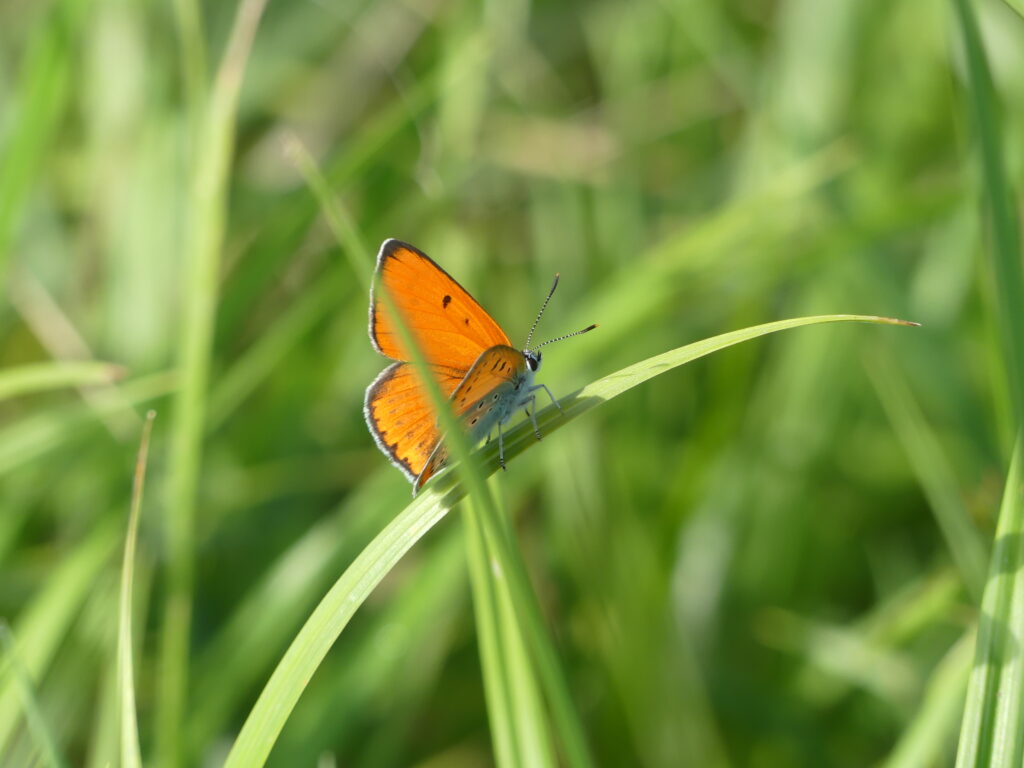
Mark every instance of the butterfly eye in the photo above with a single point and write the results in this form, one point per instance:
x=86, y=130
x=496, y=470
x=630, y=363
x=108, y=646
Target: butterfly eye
x=532, y=360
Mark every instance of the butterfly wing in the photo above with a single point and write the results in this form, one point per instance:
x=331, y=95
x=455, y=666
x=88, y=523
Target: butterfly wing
x=486, y=386
x=449, y=326
x=401, y=417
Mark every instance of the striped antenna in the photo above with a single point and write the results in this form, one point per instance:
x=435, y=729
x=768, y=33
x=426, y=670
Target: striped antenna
x=567, y=336
x=542, y=308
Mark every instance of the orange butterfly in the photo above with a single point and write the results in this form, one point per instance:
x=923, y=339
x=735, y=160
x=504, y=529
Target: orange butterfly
x=474, y=363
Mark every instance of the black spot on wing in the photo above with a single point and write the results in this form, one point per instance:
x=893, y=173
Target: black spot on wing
x=446, y=301
x=465, y=320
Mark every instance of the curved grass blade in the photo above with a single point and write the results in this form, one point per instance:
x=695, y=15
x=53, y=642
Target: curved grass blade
x=330, y=617
x=131, y=756
x=523, y=722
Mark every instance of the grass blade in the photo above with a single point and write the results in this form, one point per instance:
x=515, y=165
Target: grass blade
x=39, y=104
x=493, y=657
x=1006, y=261
x=990, y=734
x=331, y=616
x=40, y=377
x=934, y=471
x=206, y=222
x=33, y=714
x=254, y=636
x=924, y=742
x=131, y=756
x=47, y=430
x=500, y=548
x=45, y=622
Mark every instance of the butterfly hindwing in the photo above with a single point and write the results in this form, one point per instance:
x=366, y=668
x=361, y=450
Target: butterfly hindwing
x=480, y=399
x=481, y=387
x=448, y=324
x=401, y=417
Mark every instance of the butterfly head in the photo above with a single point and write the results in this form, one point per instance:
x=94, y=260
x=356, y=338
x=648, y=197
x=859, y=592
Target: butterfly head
x=532, y=359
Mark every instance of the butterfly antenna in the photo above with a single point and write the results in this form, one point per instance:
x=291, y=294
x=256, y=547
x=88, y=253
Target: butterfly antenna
x=567, y=336
x=542, y=308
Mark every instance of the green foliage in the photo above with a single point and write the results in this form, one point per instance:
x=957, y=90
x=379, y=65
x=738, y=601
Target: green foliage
x=785, y=553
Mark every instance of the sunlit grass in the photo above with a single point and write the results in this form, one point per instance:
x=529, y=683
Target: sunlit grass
x=780, y=554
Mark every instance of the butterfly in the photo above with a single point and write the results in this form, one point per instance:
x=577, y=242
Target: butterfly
x=484, y=377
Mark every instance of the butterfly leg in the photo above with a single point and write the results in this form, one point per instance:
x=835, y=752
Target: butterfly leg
x=535, y=387
x=501, y=448
x=531, y=410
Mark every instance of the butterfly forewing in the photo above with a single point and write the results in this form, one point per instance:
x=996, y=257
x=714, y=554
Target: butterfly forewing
x=449, y=326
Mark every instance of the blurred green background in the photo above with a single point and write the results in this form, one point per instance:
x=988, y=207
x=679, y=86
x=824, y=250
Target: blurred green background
x=766, y=558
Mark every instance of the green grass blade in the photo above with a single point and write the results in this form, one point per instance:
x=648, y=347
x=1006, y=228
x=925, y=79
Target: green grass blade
x=1006, y=256
x=331, y=616
x=934, y=470
x=532, y=721
x=928, y=736
x=493, y=660
x=517, y=717
x=991, y=733
x=206, y=226
x=507, y=559
x=261, y=626
x=526, y=623
x=131, y=756
x=45, y=622
x=843, y=652
x=37, y=723
x=46, y=430
x=40, y=377
x=38, y=105
x=385, y=670
x=502, y=634
x=262, y=359
x=191, y=46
